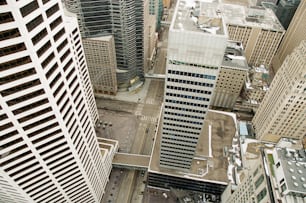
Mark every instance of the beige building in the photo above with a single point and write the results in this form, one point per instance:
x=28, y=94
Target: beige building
x=150, y=36
x=101, y=60
x=282, y=112
x=257, y=28
x=253, y=186
x=232, y=75
x=294, y=35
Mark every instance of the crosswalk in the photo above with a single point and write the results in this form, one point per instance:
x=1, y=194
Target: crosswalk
x=150, y=101
x=148, y=118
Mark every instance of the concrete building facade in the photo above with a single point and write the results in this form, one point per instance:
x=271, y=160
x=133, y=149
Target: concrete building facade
x=49, y=150
x=231, y=78
x=294, y=35
x=101, y=60
x=257, y=28
x=195, y=54
x=253, y=188
x=282, y=111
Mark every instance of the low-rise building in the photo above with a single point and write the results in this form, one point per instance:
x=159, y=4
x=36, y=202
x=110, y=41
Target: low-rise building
x=289, y=167
x=232, y=76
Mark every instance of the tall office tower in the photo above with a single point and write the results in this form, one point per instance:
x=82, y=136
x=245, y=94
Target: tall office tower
x=285, y=11
x=232, y=76
x=195, y=54
x=101, y=59
x=49, y=150
x=282, y=112
x=257, y=28
x=294, y=35
x=124, y=20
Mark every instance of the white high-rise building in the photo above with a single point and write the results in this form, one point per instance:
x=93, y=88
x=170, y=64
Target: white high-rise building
x=49, y=150
x=196, y=46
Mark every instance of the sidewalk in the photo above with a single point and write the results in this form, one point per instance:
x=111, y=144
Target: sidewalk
x=135, y=96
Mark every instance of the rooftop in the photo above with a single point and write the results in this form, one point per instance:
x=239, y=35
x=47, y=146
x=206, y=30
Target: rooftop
x=253, y=16
x=294, y=167
x=199, y=16
x=210, y=163
x=234, y=56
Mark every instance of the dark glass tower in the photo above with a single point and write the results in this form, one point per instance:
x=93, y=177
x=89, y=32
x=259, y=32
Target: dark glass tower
x=124, y=20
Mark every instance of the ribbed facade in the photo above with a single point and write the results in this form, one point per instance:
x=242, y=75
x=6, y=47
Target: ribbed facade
x=49, y=150
x=123, y=20
x=282, y=112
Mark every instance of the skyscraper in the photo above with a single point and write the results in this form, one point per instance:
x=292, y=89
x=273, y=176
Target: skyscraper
x=294, y=35
x=124, y=20
x=282, y=111
x=195, y=54
x=49, y=150
x=285, y=11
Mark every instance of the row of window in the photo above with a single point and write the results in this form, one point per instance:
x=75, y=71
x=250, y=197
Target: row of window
x=197, y=75
x=181, y=126
x=183, y=131
x=184, y=115
x=175, y=139
x=190, y=82
x=176, y=62
x=187, y=96
x=188, y=89
x=185, y=109
x=186, y=103
x=184, y=121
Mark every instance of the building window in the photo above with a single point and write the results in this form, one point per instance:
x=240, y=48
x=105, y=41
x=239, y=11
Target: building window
x=29, y=8
x=12, y=49
x=9, y=34
x=261, y=195
x=259, y=181
x=39, y=36
x=34, y=23
x=52, y=10
x=6, y=17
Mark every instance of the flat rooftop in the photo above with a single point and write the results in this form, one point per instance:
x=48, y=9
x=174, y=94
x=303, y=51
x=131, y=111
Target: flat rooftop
x=294, y=167
x=252, y=16
x=234, y=56
x=198, y=16
x=210, y=163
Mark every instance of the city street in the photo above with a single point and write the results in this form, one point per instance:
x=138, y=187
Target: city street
x=133, y=124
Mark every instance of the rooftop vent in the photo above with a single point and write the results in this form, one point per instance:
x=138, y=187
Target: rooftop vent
x=295, y=184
